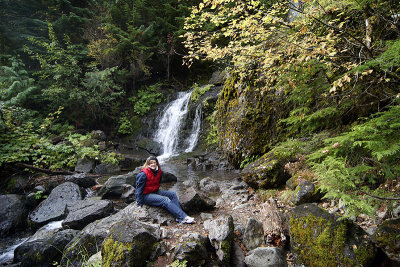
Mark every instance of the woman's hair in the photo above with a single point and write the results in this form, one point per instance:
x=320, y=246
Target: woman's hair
x=147, y=163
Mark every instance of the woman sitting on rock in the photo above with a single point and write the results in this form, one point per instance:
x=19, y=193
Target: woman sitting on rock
x=148, y=191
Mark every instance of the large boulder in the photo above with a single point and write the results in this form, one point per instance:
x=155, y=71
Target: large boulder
x=266, y=172
x=266, y=257
x=306, y=193
x=129, y=243
x=195, y=201
x=114, y=186
x=82, y=179
x=254, y=234
x=104, y=169
x=319, y=238
x=193, y=250
x=13, y=214
x=149, y=145
x=387, y=238
x=85, y=165
x=83, y=212
x=54, y=207
x=44, y=248
x=221, y=234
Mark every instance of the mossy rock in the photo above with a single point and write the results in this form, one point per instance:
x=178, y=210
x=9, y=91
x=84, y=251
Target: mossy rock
x=193, y=250
x=129, y=244
x=267, y=172
x=387, y=237
x=318, y=238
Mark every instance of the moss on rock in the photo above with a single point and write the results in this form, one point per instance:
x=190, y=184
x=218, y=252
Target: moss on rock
x=387, y=237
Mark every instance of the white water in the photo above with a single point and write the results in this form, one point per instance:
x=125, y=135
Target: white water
x=169, y=127
x=192, y=140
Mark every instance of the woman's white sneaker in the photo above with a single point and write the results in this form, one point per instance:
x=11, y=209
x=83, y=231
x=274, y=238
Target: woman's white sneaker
x=188, y=220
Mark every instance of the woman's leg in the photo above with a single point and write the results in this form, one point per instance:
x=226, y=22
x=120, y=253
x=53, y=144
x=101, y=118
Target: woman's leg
x=158, y=200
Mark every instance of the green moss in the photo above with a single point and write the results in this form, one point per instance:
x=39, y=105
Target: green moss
x=321, y=245
x=226, y=247
x=115, y=252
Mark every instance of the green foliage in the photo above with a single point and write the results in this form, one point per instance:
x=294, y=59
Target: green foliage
x=199, y=91
x=146, y=99
x=39, y=195
x=212, y=137
x=178, y=263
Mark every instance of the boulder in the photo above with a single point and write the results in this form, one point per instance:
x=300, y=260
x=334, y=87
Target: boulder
x=85, y=165
x=129, y=243
x=149, y=145
x=209, y=185
x=193, y=250
x=104, y=169
x=319, y=238
x=306, y=193
x=130, y=162
x=83, y=212
x=266, y=257
x=267, y=172
x=114, y=186
x=44, y=249
x=13, y=214
x=168, y=177
x=387, y=238
x=221, y=233
x=82, y=179
x=99, y=135
x=195, y=201
x=90, y=238
x=218, y=77
x=128, y=193
x=253, y=234
x=54, y=207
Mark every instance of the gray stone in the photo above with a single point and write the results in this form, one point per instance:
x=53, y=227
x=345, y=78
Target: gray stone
x=396, y=211
x=85, y=165
x=220, y=233
x=254, y=234
x=266, y=257
x=114, y=186
x=218, y=77
x=83, y=212
x=193, y=250
x=306, y=193
x=106, y=169
x=128, y=193
x=43, y=250
x=54, y=207
x=82, y=179
x=13, y=214
x=387, y=238
x=209, y=185
x=195, y=201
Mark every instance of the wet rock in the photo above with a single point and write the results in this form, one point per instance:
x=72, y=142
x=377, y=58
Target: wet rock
x=193, y=250
x=130, y=162
x=129, y=243
x=306, y=193
x=83, y=212
x=85, y=165
x=254, y=234
x=128, y=193
x=114, y=186
x=12, y=214
x=104, y=169
x=82, y=179
x=238, y=256
x=195, y=201
x=387, y=238
x=318, y=238
x=54, y=207
x=209, y=185
x=43, y=250
x=242, y=185
x=266, y=257
x=168, y=177
x=220, y=233
x=92, y=236
x=149, y=145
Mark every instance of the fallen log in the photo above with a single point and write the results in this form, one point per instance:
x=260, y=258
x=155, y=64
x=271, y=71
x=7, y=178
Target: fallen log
x=46, y=171
x=275, y=229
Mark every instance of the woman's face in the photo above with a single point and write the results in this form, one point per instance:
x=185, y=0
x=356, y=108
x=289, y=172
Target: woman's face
x=153, y=164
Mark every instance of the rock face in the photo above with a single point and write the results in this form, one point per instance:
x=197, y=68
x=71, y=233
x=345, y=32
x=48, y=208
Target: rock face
x=114, y=187
x=12, y=214
x=85, y=165
x=387, y=238
x=266, y=172
x=318, y=239
x=220, y=233
x=253, y=234
x=43, y=249
x=193, y=250
x=106, y=169
x=129, y=243
x=266, y=257
x=194, y=201
x=54, y=207
x=81, y=179
x=306, y=193
x=83, y=212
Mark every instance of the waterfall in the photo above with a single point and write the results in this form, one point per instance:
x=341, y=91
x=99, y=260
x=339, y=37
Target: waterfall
x=192, y=140
x=171, y=122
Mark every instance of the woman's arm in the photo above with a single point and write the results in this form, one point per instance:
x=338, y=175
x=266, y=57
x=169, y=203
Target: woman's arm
x=140, y=183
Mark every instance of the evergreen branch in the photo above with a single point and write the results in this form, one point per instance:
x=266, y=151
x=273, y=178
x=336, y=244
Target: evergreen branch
x=381, y=198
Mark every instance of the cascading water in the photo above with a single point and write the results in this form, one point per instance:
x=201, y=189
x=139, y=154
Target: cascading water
x=192, y=140
x=170, y=124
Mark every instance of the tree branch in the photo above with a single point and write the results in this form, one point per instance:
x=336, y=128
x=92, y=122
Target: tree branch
x=47, y=171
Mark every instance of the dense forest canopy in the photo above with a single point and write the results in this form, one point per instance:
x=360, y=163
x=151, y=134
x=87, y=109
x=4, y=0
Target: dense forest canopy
x=333, y=68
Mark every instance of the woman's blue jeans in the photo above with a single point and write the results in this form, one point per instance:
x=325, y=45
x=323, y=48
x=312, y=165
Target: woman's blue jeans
x=167, y=200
